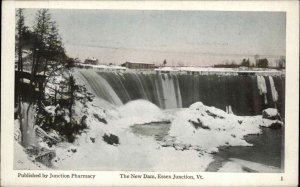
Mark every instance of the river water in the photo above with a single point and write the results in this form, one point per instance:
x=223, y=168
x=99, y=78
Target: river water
x=267, y=147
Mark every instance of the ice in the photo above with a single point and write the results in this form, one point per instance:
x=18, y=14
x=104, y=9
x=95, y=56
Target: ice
x=255, y=167
x=231, y=167
x=273, y=89
x=261, y=84
x=17, y=131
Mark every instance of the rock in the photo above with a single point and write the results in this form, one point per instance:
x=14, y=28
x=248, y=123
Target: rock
x=92, y=139
x=83, y=121
x=182, y=147
x=271, y=113
x=103, y=120
x=213, y=114
x=111, y=139
x=45, y=158
x=74, y=150
x=276, y=125
x=198, y=124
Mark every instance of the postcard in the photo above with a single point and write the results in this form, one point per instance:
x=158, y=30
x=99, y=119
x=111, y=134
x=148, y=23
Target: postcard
x=150, y=93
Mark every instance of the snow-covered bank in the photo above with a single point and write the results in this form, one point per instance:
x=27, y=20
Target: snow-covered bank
x=195, y=133
x=207, y=128
x=238, y=165
x=133, y=152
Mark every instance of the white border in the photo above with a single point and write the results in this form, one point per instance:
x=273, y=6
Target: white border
x=9, y=176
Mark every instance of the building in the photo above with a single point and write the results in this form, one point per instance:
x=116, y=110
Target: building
x=138, y=65
x=92, y=61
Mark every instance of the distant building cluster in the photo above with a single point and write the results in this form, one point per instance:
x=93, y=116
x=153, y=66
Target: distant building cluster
x=92, y=61
x=138, y=65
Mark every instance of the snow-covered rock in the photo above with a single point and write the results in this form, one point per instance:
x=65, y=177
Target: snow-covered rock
x=271, y=113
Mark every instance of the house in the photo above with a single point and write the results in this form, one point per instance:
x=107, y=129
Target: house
x=138, y=65
x=92, y=61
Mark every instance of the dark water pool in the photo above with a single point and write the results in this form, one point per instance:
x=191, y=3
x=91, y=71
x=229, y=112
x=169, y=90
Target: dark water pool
x=156, y=130
x=267, y=149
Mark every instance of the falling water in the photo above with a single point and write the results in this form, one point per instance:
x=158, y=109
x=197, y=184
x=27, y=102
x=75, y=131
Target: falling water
x=102, y=88
x=261, y=83
x=273, y=90
x=169, y=91
x=246, y=95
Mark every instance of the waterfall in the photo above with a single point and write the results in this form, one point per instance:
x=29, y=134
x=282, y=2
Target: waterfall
x=243, y=95
x=273, y=89
x=229, y=110
x=178, y=94
x=101, y=87
x=169, y=91
x=261, y=83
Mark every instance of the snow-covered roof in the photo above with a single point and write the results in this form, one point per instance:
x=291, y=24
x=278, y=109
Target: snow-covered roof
x=140, y=63
x=104, y=66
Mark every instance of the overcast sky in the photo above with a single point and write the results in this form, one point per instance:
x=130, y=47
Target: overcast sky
x=188, y=37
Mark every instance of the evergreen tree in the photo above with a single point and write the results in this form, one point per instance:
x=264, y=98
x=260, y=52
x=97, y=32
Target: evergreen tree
x=48, y=48
x=263, y=63
x=41, y=31
x=165, y=62
x=20, y=29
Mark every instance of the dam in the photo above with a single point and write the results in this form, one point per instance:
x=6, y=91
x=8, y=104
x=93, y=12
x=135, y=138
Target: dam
x=244, y=93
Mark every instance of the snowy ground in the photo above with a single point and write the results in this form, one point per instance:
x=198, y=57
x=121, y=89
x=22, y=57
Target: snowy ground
x=194, y=134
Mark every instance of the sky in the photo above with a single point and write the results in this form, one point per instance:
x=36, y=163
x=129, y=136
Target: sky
x=200, y=38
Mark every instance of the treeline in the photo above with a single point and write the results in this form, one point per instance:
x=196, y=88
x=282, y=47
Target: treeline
x=40, y=49
x=259, y=63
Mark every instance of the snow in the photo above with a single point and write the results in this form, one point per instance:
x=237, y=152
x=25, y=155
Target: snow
x=144, y=153
x=133, y=154
x=239, y=165
x=22, y=161
x=231, y=167
x=271, y=113
x=184, y=141
x=224, y=71
x=221, y=128
x=112, y=67
x=51, y=109
x=140, y=112
x=133, y=151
